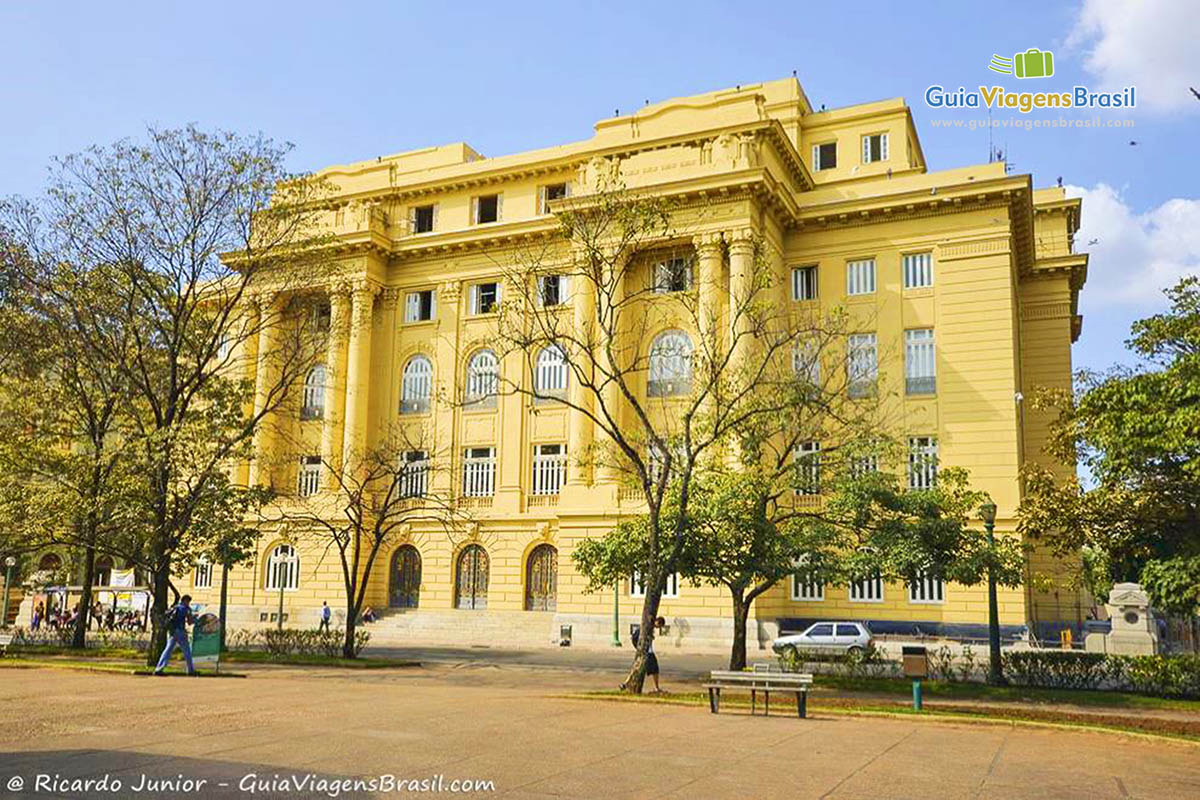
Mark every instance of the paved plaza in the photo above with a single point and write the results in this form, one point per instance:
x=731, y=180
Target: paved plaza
x=513, y=726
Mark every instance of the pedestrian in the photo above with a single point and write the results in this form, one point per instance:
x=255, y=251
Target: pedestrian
x=178, y=618
x=325, y=614
x=39, y=611
x=651, y=658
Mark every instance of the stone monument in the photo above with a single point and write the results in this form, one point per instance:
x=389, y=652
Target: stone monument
x=1134, y=631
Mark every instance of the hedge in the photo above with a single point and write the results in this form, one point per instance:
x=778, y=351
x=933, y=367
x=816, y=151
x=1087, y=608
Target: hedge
x=1160, y=676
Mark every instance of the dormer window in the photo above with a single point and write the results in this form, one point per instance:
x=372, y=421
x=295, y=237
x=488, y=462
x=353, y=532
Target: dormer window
x=487, y=209
x=824, y=156
x=550, y=193
x=423, y=219
x=875, y=148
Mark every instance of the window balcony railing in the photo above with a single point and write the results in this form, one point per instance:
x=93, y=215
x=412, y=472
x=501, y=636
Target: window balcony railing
x=921, y=385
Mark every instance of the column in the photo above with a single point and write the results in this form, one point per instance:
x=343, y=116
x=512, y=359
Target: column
x=580, y=426
x=609, y=472
x=266, y=375
x=708, y=256
x=335, y=372
x=388, y=400
x=741, y=288
x=446, y=375
x=358, y=367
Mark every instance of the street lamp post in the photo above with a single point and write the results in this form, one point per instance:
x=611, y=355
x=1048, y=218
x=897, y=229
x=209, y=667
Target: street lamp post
x=283, y=566
x=616, y=640
x=995, y=674
x=9, y=563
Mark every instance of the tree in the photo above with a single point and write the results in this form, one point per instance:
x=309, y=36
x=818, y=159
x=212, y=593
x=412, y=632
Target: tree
x=62, y=449
x=198, y=236
x=653, y=405
x=1135, y=431
x=371, y=500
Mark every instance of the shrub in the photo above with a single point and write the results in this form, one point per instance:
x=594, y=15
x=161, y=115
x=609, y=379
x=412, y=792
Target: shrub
x=290, y=641
x=1056, y=669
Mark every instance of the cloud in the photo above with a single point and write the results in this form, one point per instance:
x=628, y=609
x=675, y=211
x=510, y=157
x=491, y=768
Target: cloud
x=1149, y=44
x=1136, y=255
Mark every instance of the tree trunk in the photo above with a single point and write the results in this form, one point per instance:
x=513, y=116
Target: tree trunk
x=637, y=670
x=79, y=639
x=221, y=611
x=160, y=578
x=741, y=610
x=348, y=643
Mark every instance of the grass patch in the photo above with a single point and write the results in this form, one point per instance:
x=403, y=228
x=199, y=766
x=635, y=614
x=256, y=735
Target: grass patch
x=261, y=657
x=937, y=690
x=1185, y=730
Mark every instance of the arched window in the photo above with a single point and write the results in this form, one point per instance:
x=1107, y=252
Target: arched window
x=313, y=406
x=670, y=364
x=49, y=562
x=541, y=579
x=103, y=571
x=283, y=568
x=483, y=378
x=550, y=373
x=202, y=578
x=416, y=385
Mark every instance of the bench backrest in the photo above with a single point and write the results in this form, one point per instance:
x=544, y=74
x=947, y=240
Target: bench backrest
x=762, y=678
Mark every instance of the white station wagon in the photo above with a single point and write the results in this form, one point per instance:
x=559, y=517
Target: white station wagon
x=826, y=637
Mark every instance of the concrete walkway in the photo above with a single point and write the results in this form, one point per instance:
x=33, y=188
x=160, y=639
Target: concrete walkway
x=506, y=725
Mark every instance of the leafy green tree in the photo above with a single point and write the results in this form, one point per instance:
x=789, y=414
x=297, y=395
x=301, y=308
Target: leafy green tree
x=1136, y=432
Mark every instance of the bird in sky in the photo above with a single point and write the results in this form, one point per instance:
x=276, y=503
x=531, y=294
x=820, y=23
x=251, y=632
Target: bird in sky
x=1092, y=242
x=1132, y=143
x=1194, y=92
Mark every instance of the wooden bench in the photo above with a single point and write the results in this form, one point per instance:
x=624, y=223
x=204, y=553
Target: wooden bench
x=765, y=681
x=5, y=641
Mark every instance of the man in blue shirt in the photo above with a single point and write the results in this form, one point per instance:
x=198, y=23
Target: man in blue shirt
x=178, y=618
x=325, y=614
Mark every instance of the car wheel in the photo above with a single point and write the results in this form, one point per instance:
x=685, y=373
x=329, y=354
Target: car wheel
x=791, y=652
x=854, y=650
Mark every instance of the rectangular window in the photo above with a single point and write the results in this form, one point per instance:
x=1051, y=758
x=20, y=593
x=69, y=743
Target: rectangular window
x=922, y=462
x=420, y=306
x=920, y=370
x=875, y=148
x=867, y=590
x=414, y=474
x=806, y=362
x=479, y=471
x=310, y=476
x=918, y=270
x=484, y=297
x=672, y=275
x=422, y=219
x=926, y=588
x=804, y=283
x=860, y=277
x=549, y=468
x=806, y=590
x=824, y=156
x=548, y=194
x=637, y=587
x=552, y=290
x=862, y=364
x=487, y=208
x=203, y=577
x=863, y=465
x=808, y=468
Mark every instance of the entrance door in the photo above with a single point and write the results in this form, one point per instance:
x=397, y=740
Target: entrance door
x=472, y=577
x=541, y=579
x=406, y=578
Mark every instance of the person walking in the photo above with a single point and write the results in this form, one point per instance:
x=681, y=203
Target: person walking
x=651, y=658
x=325, y=614
x=178, y=618
x=39, y=611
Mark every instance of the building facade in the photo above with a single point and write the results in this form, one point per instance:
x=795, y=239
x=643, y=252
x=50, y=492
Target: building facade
x=962, y=286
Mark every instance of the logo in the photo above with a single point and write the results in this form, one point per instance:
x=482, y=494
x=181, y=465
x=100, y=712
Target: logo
x=1033, y=63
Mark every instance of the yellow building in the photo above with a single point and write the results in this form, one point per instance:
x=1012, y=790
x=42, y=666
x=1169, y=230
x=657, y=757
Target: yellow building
x=965, y=283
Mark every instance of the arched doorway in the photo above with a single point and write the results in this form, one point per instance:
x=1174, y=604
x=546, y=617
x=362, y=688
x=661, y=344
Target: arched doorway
x=49, y=563
x=406, y=578
x=472, y=578
x=541, y=579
